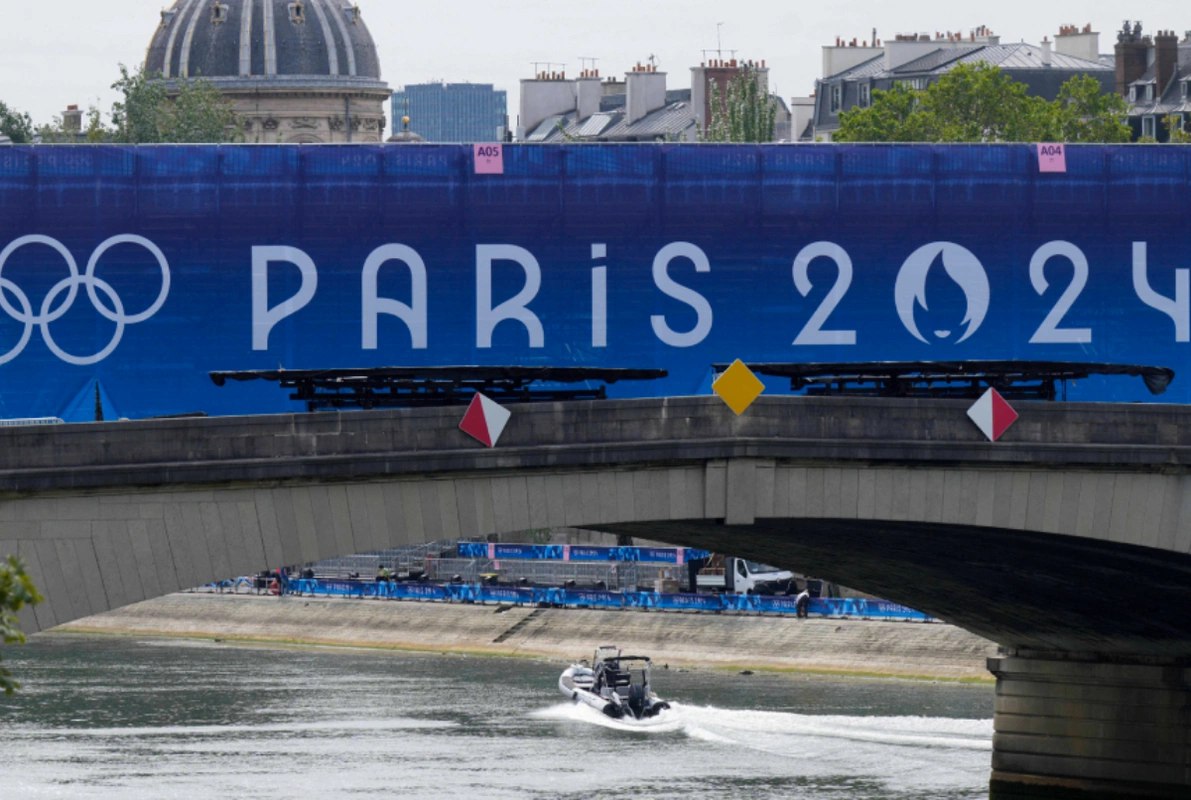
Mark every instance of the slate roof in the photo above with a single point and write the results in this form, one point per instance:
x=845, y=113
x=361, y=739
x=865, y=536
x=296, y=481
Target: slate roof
x=671, y=121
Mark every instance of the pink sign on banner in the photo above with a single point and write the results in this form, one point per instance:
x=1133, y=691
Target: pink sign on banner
x=681, y=557
x=490, y=159
x=566, y=552
x=491, y=550
x=1052, y=158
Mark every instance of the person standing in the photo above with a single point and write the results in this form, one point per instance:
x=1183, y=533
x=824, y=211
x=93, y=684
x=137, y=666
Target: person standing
x=802, y=604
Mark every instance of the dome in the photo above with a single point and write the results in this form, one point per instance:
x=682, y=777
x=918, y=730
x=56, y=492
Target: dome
x=249, y=41
x=296, y=71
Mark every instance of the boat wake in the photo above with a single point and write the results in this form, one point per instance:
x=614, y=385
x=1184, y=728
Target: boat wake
x=782, y=733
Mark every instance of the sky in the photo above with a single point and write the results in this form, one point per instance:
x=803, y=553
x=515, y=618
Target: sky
x=59, y=52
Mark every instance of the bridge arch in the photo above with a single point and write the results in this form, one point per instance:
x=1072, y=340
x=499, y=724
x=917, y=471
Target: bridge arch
x=1065, y=543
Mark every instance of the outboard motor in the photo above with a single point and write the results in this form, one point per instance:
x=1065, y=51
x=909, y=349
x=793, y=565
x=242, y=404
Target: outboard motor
x=638, y=705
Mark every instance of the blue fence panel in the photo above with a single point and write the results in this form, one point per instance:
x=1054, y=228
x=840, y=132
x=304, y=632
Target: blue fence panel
x=591, y=598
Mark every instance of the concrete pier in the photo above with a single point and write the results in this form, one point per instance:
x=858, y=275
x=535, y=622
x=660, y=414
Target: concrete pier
x=1090, y=730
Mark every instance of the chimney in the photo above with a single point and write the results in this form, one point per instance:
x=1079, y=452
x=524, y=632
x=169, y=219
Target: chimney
x=588, y=91
x=544, y=96
x=1079, y=43
x=1166, y=59
x=72, y=120
x=1046, y=59
x=1132, y=52
x=645, y=90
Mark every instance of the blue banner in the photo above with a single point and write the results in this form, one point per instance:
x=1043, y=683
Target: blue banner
x=127, y=274
x=581, y=553
x=598, y=598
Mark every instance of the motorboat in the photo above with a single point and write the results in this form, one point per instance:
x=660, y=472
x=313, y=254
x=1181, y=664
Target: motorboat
x=613, y=683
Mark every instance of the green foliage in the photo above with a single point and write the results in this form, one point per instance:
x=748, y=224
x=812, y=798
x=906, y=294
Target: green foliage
x=15, y=125
x=93, y=132
x=1087, y=114
x=147, y=114
x=16, y=592
x=1178, y=134
x=742, y=113
x=981, y=103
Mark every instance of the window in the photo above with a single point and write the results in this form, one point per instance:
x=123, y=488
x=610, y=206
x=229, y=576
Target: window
x=1132, y=94
x=297, y=12
x=1147, y=127
x=837, y=97
x=866, y=95
x=1150, y=92
x=1185, y=89
x=218, y=13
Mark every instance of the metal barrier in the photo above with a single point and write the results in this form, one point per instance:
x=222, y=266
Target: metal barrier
x=591, y=598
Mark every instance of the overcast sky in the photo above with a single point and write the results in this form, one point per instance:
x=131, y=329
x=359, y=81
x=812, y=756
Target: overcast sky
x=57, y=52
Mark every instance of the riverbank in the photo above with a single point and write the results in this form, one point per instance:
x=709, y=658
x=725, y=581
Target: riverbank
x=896, y=649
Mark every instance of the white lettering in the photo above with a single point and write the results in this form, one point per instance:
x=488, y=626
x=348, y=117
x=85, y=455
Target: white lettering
x=1049, y=331
x=671, y=288
x=265, y=318
x=413, y=314
x=1178, y=309
x=516, y=307
x=812, y=332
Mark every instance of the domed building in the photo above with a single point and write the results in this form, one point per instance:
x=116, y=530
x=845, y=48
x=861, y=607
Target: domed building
x=294, y=70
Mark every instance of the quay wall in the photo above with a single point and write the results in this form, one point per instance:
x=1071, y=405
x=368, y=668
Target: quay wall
x=898, y=649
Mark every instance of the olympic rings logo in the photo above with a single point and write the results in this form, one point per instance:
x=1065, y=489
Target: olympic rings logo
x=101, y=294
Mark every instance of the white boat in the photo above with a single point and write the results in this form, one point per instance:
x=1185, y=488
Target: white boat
x=613, y=683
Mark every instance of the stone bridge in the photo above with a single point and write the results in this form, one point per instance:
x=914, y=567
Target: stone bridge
x=1068, y=542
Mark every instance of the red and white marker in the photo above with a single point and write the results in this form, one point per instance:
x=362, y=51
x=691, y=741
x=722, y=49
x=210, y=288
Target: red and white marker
x=485, y=420
x=992, y=415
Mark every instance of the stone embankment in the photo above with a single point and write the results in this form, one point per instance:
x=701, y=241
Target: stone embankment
x=904, y=649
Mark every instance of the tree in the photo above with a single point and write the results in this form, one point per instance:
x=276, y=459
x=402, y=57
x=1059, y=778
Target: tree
x=93, y=131
x=1085, y=113
x=16, y=592
x=742, y=113
x=147, y=114
x=15, y=125
x=1178, y=133
x=981, y=103
x=893, y=116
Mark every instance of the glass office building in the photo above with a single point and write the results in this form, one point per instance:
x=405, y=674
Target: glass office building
x=452, y=112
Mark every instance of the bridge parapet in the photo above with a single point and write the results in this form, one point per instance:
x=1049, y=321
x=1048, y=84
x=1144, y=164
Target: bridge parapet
x=579, y=434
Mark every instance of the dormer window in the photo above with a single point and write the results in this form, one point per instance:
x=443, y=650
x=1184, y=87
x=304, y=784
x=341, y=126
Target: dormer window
x=1185, y=89
x=837, y=97
x=218, y=13
x=866, y=95
x=1150, y=92
x=1132, y=94
x=297, y=12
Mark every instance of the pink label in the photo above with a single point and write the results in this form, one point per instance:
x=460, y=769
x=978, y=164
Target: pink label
x=566, y=552
x=1052, y=158
x=491, y=550
x=490, y=159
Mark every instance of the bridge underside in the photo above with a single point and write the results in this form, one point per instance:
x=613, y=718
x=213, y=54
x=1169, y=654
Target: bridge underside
x=1026, y=591
x=1094, y=681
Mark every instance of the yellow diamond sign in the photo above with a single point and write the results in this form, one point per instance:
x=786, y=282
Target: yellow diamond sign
x=738, y=387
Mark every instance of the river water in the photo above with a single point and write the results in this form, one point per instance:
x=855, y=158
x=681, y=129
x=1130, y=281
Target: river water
x=126, y=718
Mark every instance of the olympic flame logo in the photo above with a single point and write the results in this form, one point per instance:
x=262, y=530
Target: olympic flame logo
x=100, y=293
